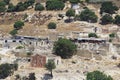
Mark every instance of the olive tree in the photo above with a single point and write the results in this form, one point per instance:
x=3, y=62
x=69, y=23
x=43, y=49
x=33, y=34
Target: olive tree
x=107, y=19
x=70, y=13
x=64, y=48
x=117, y=20
x=97, y=75
x=52, y=25
x=13, y=32
x=54, y=5
x=92, y=35
x=39, y=7
x=88, y=15
x=18, y=25
x=108, y=7
x=50, y=65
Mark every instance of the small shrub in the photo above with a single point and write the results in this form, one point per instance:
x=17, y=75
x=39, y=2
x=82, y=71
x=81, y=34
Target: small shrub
x=19, y=47
x=92, y=35
x=29, y=53
x=39, y=7
x=18, y=25
x=52, y=25
x=112, y=35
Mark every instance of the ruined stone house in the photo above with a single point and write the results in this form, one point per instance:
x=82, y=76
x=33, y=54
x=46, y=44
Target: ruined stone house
x=39, y=60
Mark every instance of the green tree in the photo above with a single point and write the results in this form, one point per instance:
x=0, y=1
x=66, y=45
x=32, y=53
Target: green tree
x=11, y=8
x=7, y=1
x=112, y=35
x=32, y=76
x=54, y=5
x=20, y=6
x=107, y=19
x=18, y=25
x=92, y=35
x=74, y=1
x=13, y=32
x=70, y=13
x=30, y=2
x=64, y=48
x=52, y=25
x=2, y=9
x=117, y=20
x=2, y=6
x=88, y=15
x=2, y=3
x=50, y=65
x=6, y=70
x=108, y=7
x=39, y=7
x=97, y=75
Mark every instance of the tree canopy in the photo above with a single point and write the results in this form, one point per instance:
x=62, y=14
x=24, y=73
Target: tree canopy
x=64, y=48
x=7, y=69
x=18, y=25
x=97, y=75
x=70, y=13
x=39, y=7
x=88, y=15
x=11, y=8
x=52, y=25
x=2, y=6
x=7, y=1
x=92, y=35
x=13, y=32
x=112, y=35
x=117, y=20
x=107, y=19
x=74, y=1
x=50, y=65
x=108, y=7
x=32, y=76
x=54, y=5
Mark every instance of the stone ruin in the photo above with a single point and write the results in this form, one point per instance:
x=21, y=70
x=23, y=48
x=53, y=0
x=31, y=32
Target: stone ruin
x=9, y=18
x=29, y=43
x=38, y=18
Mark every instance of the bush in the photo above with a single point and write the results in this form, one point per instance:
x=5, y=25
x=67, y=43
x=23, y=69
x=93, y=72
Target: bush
x=112, y=35
x=107, y=19
x=2, y=3
x=88, y=15
x=19, y=47
x=20, y=7
x=117, y=20
x=32, y=76
x=97, y=75
x=70, y=13
x=7, y=69
x=13, y=32
x=18, y=25
x=52, y=25
x=2, y=6
x=54, y=5
x=29, y=53
x=108, y=7
x=39, y=7
x=11, y=8
x=30, y=2
x=74, y=1
x=64, y=48
x=92, y=35
x=2, y=9
x=7, y=1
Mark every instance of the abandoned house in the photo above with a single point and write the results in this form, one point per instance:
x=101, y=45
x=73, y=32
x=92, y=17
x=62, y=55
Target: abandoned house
x=39, y=60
